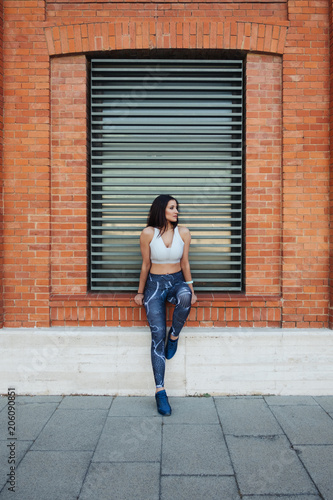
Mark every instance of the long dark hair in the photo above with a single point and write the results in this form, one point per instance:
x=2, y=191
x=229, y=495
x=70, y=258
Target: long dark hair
x=156, y=216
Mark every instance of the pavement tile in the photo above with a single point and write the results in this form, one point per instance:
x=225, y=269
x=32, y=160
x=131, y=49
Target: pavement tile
x=49, y=475
x=21, y=447
x=244, y=416
x=267, y=465
x=194, y=449
x=86, y=403
x=305, y=424
x=130, y=439
x=199, y=487
x=184, y=410
x=71, y=430
x=318, y=461
x=325, y=402
x=134, y=406
x=122, y=481
x=192, y=410
x=30, y=420
x=290, y=400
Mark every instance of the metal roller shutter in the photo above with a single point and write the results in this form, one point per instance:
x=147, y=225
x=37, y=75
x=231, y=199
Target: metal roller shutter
x=166, y=127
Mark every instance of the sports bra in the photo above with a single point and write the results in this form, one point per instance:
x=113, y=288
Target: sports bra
x=160, y=254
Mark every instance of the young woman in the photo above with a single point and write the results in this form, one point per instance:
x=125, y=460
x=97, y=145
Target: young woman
x=165, y=276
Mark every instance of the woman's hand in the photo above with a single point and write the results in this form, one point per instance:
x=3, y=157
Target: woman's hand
x=138, y=299
x=193, y=299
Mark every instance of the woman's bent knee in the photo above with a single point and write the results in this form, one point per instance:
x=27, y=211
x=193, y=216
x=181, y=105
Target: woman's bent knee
x=184, y=299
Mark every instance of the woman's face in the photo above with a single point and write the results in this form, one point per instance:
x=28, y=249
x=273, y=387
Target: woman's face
x=171, y=211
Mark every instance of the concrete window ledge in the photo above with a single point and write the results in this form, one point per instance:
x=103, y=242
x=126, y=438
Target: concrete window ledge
x=216, y=361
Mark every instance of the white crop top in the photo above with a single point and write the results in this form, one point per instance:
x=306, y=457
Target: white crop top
x=160, y=254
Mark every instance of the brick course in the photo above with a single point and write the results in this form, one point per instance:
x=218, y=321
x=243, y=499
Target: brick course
x=212, y=310
x=286, y=47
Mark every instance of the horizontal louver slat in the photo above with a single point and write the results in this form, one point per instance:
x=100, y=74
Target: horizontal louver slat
x=166, y=126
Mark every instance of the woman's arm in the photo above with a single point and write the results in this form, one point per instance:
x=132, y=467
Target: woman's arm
x=145, y=239
x=184, y=263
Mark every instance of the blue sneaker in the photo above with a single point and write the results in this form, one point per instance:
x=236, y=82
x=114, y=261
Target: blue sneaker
x=162, y=403
x=171, y=347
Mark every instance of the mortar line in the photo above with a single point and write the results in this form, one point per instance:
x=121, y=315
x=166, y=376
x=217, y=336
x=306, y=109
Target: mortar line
x=94, y=450
x=230, y=458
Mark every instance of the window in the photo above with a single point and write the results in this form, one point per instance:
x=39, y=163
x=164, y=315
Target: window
x=166, y=126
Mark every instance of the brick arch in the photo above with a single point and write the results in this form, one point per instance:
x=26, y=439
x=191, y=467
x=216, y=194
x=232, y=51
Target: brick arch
x=92, y=37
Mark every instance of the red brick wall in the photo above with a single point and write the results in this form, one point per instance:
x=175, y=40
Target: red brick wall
x=331, y=163
x=1, y=164
x=263, y=243
x=27, y=160
x=287, y=156
x=69, y=175
x=306, y=166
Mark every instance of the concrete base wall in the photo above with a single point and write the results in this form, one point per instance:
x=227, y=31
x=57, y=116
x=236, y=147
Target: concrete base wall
x=217, y=361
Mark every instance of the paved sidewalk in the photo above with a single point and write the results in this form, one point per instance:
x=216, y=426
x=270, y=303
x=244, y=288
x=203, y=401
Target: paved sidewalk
x=211, y=448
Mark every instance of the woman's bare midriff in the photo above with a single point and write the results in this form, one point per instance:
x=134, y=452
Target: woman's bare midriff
x=165, y=268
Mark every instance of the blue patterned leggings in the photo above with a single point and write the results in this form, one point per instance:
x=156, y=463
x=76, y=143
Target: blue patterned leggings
x=158, y=289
